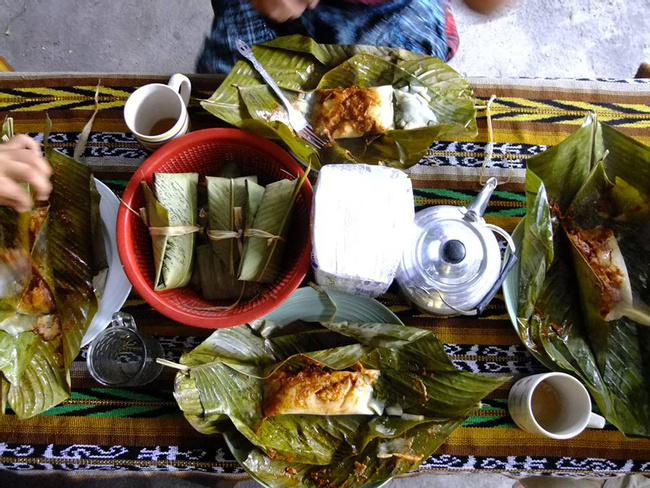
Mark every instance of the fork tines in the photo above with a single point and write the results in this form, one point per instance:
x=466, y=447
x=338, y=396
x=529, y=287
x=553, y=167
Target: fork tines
x=310, y=136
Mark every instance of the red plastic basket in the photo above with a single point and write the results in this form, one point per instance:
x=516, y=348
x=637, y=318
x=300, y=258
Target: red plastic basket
x=205, y=152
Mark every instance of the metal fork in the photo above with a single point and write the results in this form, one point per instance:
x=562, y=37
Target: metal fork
x=296, y=119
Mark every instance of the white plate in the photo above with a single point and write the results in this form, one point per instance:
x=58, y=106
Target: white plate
x=118, y=286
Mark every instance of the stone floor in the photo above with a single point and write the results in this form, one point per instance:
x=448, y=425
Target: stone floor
x=526, y=38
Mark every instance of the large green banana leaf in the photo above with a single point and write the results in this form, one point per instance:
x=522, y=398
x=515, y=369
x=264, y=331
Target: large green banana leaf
x=35, y=366
x=596, y=178
x=300, y=66
x=220, y=389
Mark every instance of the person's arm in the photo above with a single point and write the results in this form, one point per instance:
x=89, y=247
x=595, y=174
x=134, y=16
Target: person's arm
x=283, y=10
x=21, y=161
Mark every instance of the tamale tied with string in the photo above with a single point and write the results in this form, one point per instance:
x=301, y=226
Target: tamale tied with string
x=217, y=263
x=264, y=241
x=171, y=215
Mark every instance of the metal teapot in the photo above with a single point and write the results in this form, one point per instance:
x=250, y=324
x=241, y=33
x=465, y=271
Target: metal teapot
x=453, y=264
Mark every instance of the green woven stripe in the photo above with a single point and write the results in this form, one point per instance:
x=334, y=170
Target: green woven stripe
x=133, y=411
x=502, y=203
x=129, y=394
x=115, y=184
x=68, y=409
x=492, y=414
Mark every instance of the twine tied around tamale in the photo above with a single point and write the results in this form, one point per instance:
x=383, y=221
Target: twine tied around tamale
x=263, y=235
x=171, y=231
x=238, y=224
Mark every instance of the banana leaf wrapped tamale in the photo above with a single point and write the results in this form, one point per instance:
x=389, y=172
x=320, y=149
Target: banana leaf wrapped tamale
x=264, y=241
x=582, y=283
x=171, y=214
x=254, y=194
x=217, y=262
x=226, y=200
x=44, y=318
x=230, y=383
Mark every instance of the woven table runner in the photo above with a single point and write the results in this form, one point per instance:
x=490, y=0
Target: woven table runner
x=102, y=428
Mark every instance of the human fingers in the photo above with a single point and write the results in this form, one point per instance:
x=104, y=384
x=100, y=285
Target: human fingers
x=280, y=10
x=23, y=141
x=20, y=167
x=13, y=195
x=312, y=4
x=29, y=151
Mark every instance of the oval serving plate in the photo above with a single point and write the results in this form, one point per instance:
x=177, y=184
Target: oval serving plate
x=117, y=287
x=511, y=283
x=310, y=305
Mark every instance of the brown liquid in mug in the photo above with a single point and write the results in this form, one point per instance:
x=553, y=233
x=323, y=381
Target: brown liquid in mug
x=162, y=126
x=547, y=406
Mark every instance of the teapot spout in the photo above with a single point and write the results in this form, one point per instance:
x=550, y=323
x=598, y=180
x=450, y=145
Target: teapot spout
x=479, y=204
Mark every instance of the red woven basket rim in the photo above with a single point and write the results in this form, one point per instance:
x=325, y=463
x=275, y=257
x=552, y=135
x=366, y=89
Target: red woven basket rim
x=125, y=218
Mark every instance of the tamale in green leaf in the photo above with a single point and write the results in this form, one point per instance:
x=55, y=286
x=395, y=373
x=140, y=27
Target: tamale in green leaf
x=301, y=66
x=312, y=450
x=264, y=242
x=171, y=208
x=583, y=311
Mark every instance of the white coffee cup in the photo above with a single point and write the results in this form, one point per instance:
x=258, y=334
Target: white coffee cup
x=556, y=405
x=157, y=113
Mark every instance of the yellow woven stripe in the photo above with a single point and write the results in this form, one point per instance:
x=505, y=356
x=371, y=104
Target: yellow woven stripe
x=43, y=98
x=469, y=336
x=130, y=431
x=76, y=124
x=590, y=439
x=4, y=65
x=521, y=136
x=539, y=136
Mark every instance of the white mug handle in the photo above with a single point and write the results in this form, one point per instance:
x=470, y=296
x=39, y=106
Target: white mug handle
x=595, y=421
x=181, y=84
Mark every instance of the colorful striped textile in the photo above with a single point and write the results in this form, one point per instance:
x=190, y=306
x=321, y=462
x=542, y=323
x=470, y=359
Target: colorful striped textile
x=4, y=65
x=142, y=429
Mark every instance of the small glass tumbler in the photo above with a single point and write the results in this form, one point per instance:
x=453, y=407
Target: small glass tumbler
x=122, y=356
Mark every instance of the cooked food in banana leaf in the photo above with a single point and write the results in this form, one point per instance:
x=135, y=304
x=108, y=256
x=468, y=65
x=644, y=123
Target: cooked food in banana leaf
x=315, y=390
x=584, y=273
x=45, y=315
x=226, y=201
x=412, y=108
x=264, y=242
x=171, y=214
x=599, y=248
x=246, y=383
x=232, y=205
x=353, y=112
x=434, y=100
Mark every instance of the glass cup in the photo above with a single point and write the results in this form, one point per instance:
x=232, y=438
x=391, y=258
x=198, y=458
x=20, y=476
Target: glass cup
x=122, y=356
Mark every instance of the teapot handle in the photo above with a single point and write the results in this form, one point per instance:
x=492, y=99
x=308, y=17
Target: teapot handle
x=510, y=262
x=507, y=266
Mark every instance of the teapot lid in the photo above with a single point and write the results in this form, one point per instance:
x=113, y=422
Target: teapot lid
x=453, y=262
x=450, y=251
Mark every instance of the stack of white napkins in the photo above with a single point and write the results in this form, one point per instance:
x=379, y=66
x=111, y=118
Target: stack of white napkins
x=362, y=218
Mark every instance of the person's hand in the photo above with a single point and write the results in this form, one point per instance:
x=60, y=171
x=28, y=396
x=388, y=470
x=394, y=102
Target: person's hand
x=486, y=7
x=283, y=10
x=21, y=161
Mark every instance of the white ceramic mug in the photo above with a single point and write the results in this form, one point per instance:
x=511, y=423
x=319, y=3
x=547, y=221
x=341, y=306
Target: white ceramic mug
x=157, y=113
x=552, y=404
